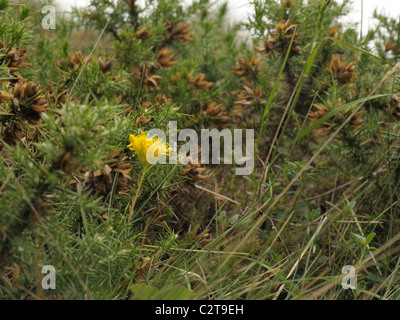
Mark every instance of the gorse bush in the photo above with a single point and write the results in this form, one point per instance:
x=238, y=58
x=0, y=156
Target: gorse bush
x=77, y=193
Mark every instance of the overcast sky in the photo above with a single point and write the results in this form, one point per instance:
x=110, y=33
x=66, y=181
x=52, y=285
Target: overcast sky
x=239, y=9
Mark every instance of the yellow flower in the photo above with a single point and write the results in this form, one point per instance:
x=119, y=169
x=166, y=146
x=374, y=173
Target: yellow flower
x=141, y=145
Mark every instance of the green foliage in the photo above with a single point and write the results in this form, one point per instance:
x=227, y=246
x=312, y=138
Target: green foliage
x=322, y=98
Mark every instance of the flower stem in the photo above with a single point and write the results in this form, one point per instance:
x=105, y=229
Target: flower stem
x=146, y=168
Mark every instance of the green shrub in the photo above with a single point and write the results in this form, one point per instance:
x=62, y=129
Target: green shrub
x=322, y=98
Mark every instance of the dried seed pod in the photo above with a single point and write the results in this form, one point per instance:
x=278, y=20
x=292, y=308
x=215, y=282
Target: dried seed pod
x=287, y=3
x=78, y=57
x=319, y=113
x=5, y=96
x=16, y=272
x=19, y=90
x=325, y=127
x=343, y=72
x=59, y=63
x=31, y=89
x=179, y=32
x=30, y=109
x=71, y=60
x=15, y=75
x=74, y=59
x=356, y=121
x=129, y=3
x=39, y=105
x=394, y=106
x=142, y=121
x=194, y=236
x=333, y=31
x=102, y=181
x=247, y=67
x=238, y=112
x=165, y=58
x=143, y=34
x=104, y=65
x=162, y=99
x=281, y=38
x=64, y=165
x=152, y=81
x=176, y=77
x=62, y=97
x=248, y=96
x=14, y=132
x=141, y=74
x=199, y=81
x=106, y=172
x=16, y=58
x=389, y=46
x=217, y=114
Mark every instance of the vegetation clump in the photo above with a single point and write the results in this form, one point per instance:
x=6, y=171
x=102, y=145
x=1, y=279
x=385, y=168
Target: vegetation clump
x=79, y=192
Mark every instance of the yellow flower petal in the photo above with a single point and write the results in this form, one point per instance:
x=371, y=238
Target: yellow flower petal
x=141, y=144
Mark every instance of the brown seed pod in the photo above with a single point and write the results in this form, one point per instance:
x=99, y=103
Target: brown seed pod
x=389, y=46
x=39, y=105
x=319, y=113
x=5, y=96
x=62, y=97
x=287, y=3
x=325, y=127
x=152, y=82
x=31, y=89
x=102, y=181
x=281, y=38
x=179, y=32
x=16, y=272
x=199, y=81
x=249, y=96
x=247, y=67
x=64, y=165
x=165, y=58
x=74, y=59
x=238, y=112
x=141, y=74
x=201, y=237
x=162, y=99
x=129, y=2
x=343, y=72
x=142, y=121
x=175, y=78
x=16, y=58
x=394, y=106
x=356, y=121
x=19, y=90
x=143, y=34
x=217, y=114
x=333, y=31
x=105, y=66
